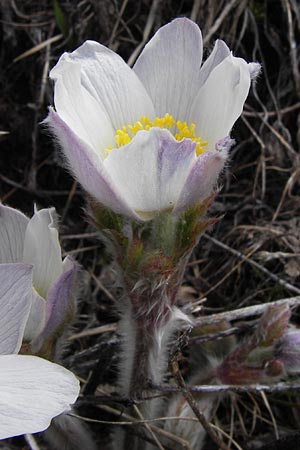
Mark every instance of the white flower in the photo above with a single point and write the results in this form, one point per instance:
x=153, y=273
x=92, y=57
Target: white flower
x=154, y=137
x=35, y=241
x=32, y=390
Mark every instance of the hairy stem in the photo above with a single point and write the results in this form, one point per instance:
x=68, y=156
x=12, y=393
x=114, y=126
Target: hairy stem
x=140, y=364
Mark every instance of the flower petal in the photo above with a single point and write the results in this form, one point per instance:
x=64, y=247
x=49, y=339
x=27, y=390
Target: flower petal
x=107, y=79
x=13, y=225
x=219, y=53
x=201, y=179
x=60, y=304
x=220, y=100
x=36, y=319
x=42, y=249
x=32, y=392
x=78, y=108
x=151, y=170
x=15, y=302
x=169, y=67
x=88, y=168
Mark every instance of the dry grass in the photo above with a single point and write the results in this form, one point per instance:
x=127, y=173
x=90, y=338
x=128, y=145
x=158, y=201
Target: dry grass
x=252, y=255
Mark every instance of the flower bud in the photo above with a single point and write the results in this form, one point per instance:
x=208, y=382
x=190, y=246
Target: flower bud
x=287, y=350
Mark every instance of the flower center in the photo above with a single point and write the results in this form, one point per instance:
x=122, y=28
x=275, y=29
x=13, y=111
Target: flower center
x=180, y=130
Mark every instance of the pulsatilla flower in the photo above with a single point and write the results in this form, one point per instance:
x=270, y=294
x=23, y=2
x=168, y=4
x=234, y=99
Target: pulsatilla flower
x=148, y=143
x=35, y=241
x=153, y=138
x=32, y=390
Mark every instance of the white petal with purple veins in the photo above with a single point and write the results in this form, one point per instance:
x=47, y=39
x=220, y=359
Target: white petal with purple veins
x=15, y=302
x=13, y=225
x=169, y=67
x=32, y=392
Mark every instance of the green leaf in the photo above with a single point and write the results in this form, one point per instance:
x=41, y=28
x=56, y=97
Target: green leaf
x=60, y=18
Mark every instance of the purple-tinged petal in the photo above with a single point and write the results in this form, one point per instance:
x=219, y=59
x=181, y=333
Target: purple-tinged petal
x=109, y=81
x=60, y=304
x=169, y=67
x=224, y=144
x=220, y=100
x=32, y=392
x=13, y=225
x=42, y=249
x=15, y=302
x=87, y=167
x=201, y=179
x=152, y=170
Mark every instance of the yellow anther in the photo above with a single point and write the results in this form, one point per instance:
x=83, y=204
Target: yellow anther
x=180, y=130
x=158, y=122
x=135, y=127
x=145, y=121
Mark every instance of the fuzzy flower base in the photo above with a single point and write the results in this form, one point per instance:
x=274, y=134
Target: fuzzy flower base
x=149, y=259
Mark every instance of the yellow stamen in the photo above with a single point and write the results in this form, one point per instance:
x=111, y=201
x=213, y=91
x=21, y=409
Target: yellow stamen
x=180, y=130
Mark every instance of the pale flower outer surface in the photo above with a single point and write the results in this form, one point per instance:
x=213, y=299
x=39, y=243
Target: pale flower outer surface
x=35, y=241
x=32, y=390
x=152, y=138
